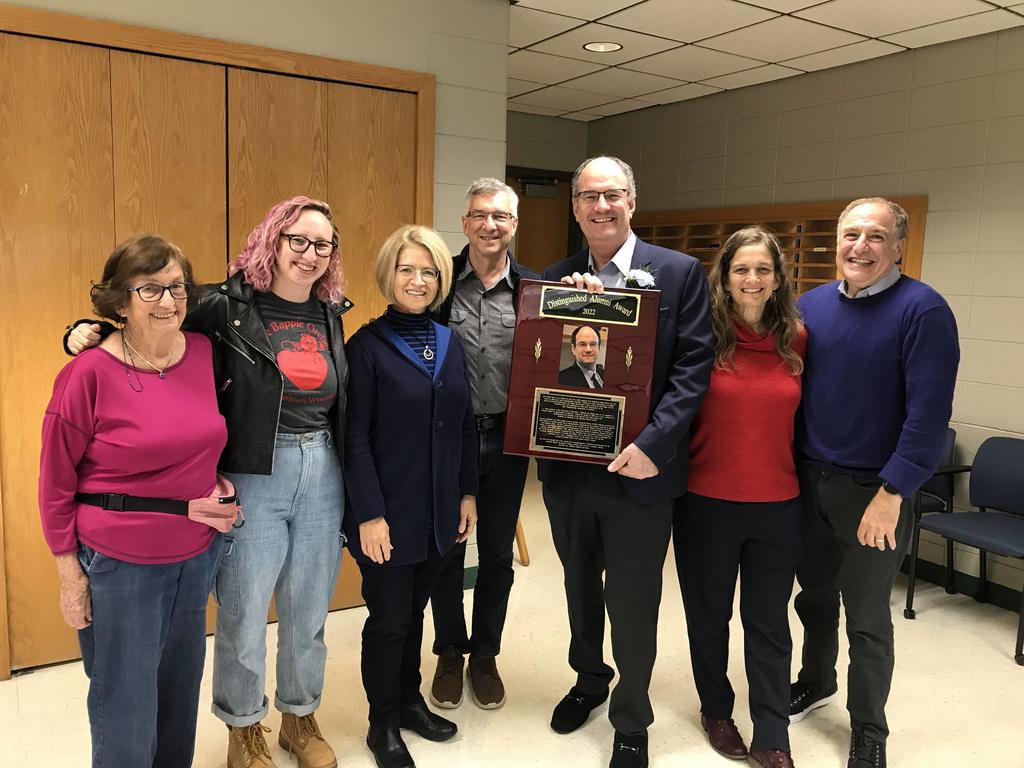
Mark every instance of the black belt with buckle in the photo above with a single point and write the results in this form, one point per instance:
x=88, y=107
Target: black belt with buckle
x=487, y=422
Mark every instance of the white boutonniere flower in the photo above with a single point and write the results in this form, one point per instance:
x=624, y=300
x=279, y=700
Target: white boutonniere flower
x=642, y=277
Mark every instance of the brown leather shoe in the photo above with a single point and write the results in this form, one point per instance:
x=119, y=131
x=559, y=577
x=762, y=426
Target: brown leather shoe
x=485, y=682
x=247, y=748
x=300, y=736
x=724, y=738
x=446, y=690
x=770, y=758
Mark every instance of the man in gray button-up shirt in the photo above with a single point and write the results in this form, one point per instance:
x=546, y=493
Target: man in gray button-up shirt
x=481, y=310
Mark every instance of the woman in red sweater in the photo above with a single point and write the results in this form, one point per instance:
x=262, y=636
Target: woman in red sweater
x=741, y=512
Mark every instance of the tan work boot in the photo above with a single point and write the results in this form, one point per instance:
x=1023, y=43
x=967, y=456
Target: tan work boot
x=300, y=735
x=247, y=748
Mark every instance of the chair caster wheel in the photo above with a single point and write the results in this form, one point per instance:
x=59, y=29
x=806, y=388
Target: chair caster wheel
x=909, y=613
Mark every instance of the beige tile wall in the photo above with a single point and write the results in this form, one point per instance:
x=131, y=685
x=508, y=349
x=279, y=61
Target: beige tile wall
x=945, y=121
x=546, y=143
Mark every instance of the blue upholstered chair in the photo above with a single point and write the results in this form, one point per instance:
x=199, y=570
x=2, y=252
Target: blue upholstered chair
x=997, y=490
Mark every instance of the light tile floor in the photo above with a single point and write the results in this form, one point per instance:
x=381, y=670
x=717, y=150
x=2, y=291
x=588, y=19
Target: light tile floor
x=957, y=698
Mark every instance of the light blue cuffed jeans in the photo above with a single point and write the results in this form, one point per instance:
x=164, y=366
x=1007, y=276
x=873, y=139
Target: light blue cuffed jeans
x=289, y=547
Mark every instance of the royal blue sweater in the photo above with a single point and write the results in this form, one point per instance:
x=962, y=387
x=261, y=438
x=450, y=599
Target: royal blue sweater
x=878, y=383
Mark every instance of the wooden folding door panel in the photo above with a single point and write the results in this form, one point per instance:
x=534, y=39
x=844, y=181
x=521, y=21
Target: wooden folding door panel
x=169, y=155
x=277, y=146
x=372, y=182
x=372, y=179
x=56, y=229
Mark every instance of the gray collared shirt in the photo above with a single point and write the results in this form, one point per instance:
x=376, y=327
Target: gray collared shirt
x=485, y=322
x=888, y=280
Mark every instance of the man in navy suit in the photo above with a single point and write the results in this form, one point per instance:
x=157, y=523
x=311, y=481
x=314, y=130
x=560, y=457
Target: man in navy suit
x=584, y=372
x=614, y=521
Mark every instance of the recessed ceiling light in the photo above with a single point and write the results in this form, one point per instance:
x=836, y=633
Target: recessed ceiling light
x=603, y=47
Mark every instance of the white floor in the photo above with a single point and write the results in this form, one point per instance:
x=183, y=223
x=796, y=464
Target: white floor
x=957, y=699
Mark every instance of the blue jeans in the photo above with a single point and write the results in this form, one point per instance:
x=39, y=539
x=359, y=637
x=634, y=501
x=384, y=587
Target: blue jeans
x=289, y=547
x=144, y=654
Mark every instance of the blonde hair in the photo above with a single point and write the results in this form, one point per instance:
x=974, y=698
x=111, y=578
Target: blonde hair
x=387, y=260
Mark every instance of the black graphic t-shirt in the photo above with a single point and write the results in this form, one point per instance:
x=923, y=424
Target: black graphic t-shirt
x=298, y=336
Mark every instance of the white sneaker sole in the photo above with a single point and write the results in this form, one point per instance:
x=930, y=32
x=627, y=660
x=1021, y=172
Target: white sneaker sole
x=446, y=704
x=493, y=705
x=793, y=719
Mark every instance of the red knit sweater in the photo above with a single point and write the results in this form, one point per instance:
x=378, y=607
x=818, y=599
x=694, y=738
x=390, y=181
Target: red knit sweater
x=742, y=444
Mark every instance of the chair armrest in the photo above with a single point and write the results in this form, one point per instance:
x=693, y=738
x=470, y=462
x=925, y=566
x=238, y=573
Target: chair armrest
x=953, y=469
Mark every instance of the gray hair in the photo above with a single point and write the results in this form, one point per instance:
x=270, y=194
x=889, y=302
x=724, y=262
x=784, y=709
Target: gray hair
x=899, y=216
x=623, y=166
x=488, y=186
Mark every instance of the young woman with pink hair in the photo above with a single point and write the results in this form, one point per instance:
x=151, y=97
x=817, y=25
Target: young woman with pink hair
x=281, y=372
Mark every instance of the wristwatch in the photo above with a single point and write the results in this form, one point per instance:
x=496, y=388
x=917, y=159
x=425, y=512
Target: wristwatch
x=890, y=488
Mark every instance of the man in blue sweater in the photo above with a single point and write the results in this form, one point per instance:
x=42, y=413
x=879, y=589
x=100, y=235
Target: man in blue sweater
x=878, y=389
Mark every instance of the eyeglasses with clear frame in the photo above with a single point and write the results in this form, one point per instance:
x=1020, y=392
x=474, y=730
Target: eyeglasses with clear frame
x=611, y=196
x=428, y=274
x=498, y=217
x=300, y=244
x=152, y=292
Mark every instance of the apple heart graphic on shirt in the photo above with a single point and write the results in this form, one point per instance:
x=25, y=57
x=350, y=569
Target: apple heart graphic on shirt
x=305, y=367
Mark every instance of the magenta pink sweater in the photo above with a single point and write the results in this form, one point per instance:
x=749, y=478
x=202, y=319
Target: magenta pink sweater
x=101, y=436
x=742, y=444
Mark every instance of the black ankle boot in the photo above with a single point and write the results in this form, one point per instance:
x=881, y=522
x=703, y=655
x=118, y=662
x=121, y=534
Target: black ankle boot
x=389, y=751
x=420, y=720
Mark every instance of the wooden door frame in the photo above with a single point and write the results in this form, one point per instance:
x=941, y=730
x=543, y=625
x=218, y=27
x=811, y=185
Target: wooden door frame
x=64, y=27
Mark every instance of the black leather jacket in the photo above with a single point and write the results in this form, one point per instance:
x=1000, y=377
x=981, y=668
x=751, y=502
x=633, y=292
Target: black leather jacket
x=249, y=383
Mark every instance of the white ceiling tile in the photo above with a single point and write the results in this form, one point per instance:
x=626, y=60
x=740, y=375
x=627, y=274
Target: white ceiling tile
x=585, y=117
x=527, y=26
x=680, y=93
x=518, y=87
x=897, y=15
x=513, y=107
x=544, y=68
x=781, y=38
x=618, y=107
x=622, y=82
x=581, y=9
x=752, y=76
x=703, y=18
x=565, y=99
x=634, y=44
x=979, y=24
x=692, y=62
x=785, y=6
x=847, y=54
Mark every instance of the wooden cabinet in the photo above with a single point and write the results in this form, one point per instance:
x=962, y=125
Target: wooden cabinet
x=104, y=140
x=806, y=231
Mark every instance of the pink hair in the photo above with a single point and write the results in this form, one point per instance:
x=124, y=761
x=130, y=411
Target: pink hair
x=259, y=259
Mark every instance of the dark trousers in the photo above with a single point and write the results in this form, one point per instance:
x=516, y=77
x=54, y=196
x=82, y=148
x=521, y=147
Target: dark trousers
x=395, y=596
x=835, y=564
x=714, y=540
x=597, y=529
x=144, y=655
x=502, y=479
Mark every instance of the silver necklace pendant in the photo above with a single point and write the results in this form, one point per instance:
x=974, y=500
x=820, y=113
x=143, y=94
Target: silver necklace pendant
x=163, y=375
x=428, y=353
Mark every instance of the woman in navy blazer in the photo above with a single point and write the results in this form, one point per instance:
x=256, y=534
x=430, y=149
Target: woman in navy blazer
x=411, y=477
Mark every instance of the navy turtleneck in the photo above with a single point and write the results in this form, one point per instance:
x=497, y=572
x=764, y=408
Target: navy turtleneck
x=416, y=330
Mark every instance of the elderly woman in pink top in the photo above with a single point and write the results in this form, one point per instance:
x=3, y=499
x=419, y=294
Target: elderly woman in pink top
x=133, y=431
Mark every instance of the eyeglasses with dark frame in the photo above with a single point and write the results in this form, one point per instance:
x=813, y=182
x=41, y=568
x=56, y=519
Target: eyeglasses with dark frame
x=300, y=244
x=152, y=292
x=611, y=196
x=499, y=217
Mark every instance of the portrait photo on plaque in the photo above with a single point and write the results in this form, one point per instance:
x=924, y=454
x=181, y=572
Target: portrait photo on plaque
x=580, y=378
x=583, y=353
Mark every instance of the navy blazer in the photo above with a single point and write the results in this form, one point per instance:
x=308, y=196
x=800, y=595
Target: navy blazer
x=410, y=441
x=683, y=355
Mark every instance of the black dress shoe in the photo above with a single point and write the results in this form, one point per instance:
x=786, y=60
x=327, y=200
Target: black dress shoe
x=420, y=720
x=573, y=710
x=629, y=750
x=389, y=751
